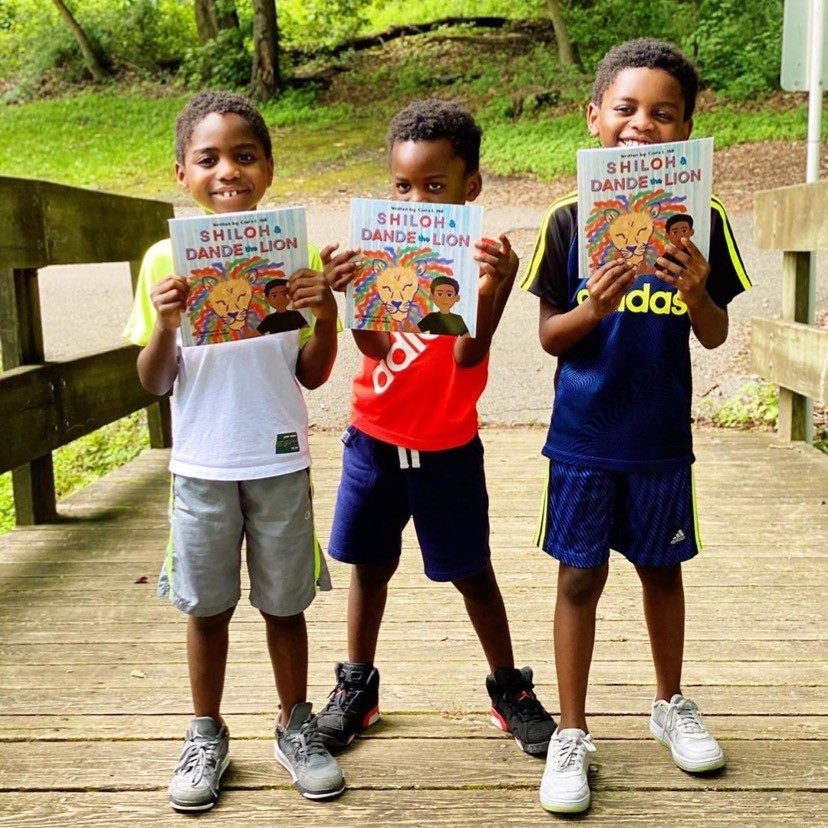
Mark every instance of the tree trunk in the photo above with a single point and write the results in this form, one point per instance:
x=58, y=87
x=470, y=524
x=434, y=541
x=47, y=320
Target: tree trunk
x=89, y=56
x=211, y=19
x=265, y=83
x=205, y=21
x=566, y=54
x=226, y=16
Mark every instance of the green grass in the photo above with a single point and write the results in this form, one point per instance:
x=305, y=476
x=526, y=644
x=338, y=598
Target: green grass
x=85, y=460
x=123, y=142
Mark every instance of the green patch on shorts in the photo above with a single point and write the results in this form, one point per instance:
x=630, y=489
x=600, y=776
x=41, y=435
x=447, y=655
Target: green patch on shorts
x=287, y=443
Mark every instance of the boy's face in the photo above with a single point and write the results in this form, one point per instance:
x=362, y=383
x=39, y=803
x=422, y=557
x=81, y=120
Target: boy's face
x=225, y=168
x=430, y=171
x=445, y=297
x=640, y=106
x=680, y=230
x=278, y=298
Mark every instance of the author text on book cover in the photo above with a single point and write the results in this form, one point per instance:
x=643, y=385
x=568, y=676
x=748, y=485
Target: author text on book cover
x=237, y=266
x=417, y=272
x=633, y=201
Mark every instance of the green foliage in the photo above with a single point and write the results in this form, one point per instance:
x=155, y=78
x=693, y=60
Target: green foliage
x=85, y=460
x=754, y=406
x=595, y=26
x=37, y=49
x=738, y=45
x=313, y=23
x=223, y=63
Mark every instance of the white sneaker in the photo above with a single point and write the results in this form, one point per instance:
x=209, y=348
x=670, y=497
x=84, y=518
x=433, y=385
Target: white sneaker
x=564, y=788
x=678, y=725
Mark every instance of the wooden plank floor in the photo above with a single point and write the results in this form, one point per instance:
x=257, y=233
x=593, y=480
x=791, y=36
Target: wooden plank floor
x=95, y=700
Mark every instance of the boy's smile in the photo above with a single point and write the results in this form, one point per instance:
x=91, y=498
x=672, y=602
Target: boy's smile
x=225, y=168
x=430, y=171
x=640, y=106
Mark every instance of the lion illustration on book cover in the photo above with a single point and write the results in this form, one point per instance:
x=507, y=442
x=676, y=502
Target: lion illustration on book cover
x=631, y=228
x=226, y=300
x=391, y=287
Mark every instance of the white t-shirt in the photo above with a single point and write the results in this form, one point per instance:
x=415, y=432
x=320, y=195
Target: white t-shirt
x=237, y=409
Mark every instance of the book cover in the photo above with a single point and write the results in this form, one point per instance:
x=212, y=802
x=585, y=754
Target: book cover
x=633, y=201
x=237, y=266
x=416, y=271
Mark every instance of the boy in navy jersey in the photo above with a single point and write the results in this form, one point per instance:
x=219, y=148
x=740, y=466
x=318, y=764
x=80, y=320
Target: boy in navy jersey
x=619, y=444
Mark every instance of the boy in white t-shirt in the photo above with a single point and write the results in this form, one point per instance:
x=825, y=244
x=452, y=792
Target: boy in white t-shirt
x=240, y=462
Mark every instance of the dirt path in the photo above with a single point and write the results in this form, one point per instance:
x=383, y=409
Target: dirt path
x=519, y=389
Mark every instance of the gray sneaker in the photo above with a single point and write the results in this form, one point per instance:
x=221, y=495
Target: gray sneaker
x=195, y=783
x=299, y=747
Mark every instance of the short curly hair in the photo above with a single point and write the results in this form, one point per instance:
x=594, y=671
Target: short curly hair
x=432, y=120
x=222, y=103
x=648, y=53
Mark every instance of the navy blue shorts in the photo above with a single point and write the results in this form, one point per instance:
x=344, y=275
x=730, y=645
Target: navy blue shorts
x=647, y=516
x=383, y=486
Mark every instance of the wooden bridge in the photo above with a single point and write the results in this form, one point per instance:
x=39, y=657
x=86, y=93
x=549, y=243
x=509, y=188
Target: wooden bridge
x=94, y=697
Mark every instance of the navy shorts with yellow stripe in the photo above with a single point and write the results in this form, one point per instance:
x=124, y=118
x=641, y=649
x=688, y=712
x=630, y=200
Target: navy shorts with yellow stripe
x=648, y=516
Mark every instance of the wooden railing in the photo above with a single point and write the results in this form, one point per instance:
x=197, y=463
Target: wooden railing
x=44, y=405
x=789, y=351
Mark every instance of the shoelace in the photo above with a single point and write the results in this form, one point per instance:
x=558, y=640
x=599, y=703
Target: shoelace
x=341, y=697
x=570, y=752
x=308, y=742
x=688, y=718
x=198, y=756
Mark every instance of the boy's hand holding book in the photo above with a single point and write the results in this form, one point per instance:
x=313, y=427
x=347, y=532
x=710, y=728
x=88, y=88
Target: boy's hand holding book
x=498, y=265
x=608, y=284
x=169, y=297
x=687, y=273
x=310, y=289
x=340, y=269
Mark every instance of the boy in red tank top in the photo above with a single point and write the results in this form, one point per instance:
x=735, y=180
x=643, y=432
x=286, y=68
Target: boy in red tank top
x=413, y=451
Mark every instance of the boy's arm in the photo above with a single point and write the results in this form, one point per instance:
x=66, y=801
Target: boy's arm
x=310, y=289
x=498, y=268
x=373, y=344
x=688, y=275
x=339, y=271
x=158, y=361
x=560, y=330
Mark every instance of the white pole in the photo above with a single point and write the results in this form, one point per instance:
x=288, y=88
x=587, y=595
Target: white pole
x=815, y=43
x=817, y=32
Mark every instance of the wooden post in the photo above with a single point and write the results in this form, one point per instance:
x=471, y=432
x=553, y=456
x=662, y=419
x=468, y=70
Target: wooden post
x=796, y=275
x=21, y=339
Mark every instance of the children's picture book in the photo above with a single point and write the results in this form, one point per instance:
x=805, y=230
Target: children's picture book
x=237, y=266
x=633, y=201
x=416, y=271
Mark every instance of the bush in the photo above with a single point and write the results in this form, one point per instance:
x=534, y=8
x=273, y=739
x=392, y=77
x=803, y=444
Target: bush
x=753, y=406
x=598, y=25
x=738, y=45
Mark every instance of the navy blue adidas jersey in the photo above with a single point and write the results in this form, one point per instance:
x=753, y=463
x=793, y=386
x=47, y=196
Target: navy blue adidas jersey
x=622, y=394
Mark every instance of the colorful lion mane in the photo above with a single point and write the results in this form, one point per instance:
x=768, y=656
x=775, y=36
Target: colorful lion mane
x=207, y=326
x=599, y=244
x=369, y=309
